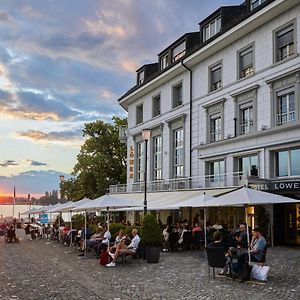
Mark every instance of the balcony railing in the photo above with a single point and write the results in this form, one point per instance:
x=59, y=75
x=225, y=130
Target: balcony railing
x=246, y=127
x=287, y=117
x=186, y=183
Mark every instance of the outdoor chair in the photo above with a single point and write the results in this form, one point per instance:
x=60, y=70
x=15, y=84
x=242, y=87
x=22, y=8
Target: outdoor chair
x=216, y=259
x=199, y=240
x=187, y=241
x=137, y=255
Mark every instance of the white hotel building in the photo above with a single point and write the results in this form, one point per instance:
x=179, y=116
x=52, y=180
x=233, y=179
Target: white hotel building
x=223, y=106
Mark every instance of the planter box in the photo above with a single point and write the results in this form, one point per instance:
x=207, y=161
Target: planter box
x=152, y=254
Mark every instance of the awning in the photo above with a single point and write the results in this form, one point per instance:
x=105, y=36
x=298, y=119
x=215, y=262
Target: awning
x=167, y=200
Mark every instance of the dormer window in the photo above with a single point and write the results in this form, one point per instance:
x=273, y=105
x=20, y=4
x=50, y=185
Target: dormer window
x=211, y=29
x=178, y=52
x=141, y=77
x=256, y=3
x=164, y=61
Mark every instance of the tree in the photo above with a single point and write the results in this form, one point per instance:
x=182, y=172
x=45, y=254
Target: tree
x=100, y=163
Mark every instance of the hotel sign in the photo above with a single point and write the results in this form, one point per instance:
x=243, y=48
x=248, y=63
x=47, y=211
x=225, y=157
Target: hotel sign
x=131, y=162
x=280, y=186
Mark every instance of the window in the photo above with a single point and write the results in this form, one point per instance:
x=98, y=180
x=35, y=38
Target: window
x=248, y=165
x=286, y=108
x=215, y=128
x=256, y=3
x=141, y=77
x=157, y=157
x=177, y=95
x=139, y=114
x=246, y=62
x=211, y=29
x=178, y=152
x=287, y=163
x=217, y=171
x=178, y=52
x=284, y=43
x=214, y=121
x=215, y=77
x=246, y=119
x=156, y=106
x=139, y=161
x=164, y=61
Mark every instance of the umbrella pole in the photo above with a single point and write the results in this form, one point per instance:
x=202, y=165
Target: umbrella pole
x=85, y=230
x=108, y=227
x=71, y=235
x=205, y=230
x=248, y=239
x=58, y=227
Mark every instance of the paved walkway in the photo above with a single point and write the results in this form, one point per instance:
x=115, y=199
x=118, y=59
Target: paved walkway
x=42, y=270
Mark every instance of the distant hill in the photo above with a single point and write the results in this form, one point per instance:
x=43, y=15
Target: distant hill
x=10, y=200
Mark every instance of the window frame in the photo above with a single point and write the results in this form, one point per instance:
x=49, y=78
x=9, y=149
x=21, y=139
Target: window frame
x=289, y=163
x=239, y=159
x=141, y=80
x=211, y=69
x=219, y=177
x=260, y=2
x=248, y=48
x=139, y=120
x=181, y=53
x=164, y=61
x=291, y=24
x=156, y=109
x=139, y=159
x=178, y=102
x=174, y=148
x=154, y=155
x=216, y=21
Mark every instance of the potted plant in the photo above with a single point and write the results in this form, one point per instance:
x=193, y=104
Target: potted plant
x=151, y=238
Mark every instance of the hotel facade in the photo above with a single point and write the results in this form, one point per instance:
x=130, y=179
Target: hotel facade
x=223, y=107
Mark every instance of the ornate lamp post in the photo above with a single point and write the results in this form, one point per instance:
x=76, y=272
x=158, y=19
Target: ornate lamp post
x=146, y=136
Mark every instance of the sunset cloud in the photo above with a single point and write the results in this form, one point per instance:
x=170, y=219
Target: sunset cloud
x=54, y=136
x=8, y=163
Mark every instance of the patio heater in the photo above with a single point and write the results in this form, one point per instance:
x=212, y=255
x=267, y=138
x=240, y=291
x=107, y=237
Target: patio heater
x=146, y=136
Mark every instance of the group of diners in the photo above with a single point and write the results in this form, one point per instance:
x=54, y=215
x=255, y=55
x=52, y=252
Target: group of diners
x=105, y=247
x=237, y=252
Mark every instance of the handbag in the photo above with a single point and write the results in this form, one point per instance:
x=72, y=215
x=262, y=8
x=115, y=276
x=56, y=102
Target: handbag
x=260, y=272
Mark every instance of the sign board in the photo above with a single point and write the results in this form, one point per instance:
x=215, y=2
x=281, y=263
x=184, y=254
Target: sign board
x=44, y=219
x=131, y=162
x=278, y=186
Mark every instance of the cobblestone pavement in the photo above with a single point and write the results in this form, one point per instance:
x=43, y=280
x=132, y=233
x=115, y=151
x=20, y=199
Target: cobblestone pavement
x=47, y=270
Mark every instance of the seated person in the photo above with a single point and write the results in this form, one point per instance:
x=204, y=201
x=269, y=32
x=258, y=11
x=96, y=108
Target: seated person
x=85, y=234
x=186, y=229
x=196, y=228
x=217, y=240
x=122, y=248
x=95, y=238
x=257, y=246
x=121, y=237
x=104, y=241
x=11, y=234
x=241, y=239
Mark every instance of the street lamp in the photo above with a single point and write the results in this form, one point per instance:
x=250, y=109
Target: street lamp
x=146, y=136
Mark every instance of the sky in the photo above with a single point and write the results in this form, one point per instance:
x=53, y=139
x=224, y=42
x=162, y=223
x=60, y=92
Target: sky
x=64, y=63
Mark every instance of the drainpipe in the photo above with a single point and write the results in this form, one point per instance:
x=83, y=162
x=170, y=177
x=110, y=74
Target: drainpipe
x=191, y=109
